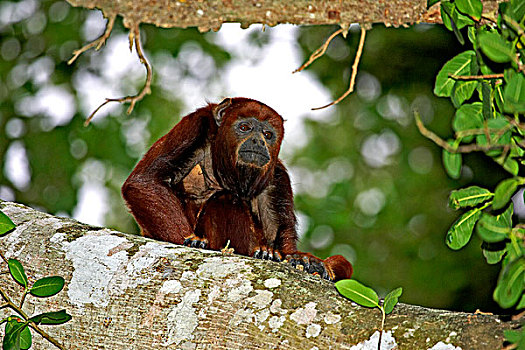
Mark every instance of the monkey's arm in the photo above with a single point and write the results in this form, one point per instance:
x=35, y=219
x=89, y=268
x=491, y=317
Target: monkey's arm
x=335, y=267
x=148, y=190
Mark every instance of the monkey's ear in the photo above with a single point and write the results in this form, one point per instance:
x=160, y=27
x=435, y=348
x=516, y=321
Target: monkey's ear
x=218, y=111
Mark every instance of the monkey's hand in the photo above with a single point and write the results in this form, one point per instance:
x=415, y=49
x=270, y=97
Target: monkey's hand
x=265, y=253
x=195, y=242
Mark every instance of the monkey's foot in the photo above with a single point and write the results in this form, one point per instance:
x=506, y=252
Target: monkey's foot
x=309, y=263
x=266, y=253
x=195, y=242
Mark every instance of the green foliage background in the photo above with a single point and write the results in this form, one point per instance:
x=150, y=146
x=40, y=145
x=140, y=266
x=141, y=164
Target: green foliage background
x=399, y=241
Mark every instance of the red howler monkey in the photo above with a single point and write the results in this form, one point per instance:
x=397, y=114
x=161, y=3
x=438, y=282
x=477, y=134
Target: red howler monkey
x=216, y=176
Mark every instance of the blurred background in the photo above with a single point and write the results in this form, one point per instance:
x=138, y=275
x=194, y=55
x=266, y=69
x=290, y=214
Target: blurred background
x=367, y=184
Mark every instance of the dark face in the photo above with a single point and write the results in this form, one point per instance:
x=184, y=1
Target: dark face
x=255, y=138
x=247, y=146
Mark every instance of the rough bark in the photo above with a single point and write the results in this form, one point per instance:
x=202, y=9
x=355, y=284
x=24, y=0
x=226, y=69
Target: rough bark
x=129, y=292
x=211, y=14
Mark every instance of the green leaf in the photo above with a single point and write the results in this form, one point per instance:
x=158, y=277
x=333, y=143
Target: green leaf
x=493, y=257
x=473, y=8
x=504, y=192
x=26, y=340
x=13, y=330
x=495, y=47
x=468, y=117
x=461, y=231
x=486, y=92
x=514, y=336
x=391, y=300
x=497, y=135
x=431, y=2
x=47, y=286
x=57, y=317
x=514, y=94
x=468, y=197
x=358, y=293
x=495, y=228
x=6, y=225
x=17, y=271
x=462, y=91
x=510, y=283
x=452, y=163
x=516, y=10
x=521, y=304
x=462, y=64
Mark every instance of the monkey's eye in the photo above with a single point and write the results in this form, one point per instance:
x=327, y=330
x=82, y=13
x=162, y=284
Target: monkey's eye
x=268, y=135
x=244, y=127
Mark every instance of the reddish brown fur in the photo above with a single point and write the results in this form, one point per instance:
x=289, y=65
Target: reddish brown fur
x=191, y=181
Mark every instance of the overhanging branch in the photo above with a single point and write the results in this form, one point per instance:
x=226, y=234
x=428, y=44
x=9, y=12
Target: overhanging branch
x=211, y=14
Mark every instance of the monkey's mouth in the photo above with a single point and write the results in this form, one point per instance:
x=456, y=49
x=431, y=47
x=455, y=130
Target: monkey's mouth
x=254, y=157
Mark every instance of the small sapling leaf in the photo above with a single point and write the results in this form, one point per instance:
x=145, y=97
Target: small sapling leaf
x=57, y=317
x=47, y=286
x=26, y=340
x=431, y=2
x=504, y=192
x=6, y=225
x=468, y=197
x=391, y=300
x=461, y=231
x=13, y=330
x=17, y=272
x=358, y=293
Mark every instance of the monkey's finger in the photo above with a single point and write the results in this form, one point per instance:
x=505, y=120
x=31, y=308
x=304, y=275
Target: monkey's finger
x=277, y=256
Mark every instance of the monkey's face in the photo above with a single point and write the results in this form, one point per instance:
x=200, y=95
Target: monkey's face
x=256, y=138
x=247, y=147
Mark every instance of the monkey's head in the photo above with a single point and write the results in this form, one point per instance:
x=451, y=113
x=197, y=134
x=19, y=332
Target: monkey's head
x=246, y=148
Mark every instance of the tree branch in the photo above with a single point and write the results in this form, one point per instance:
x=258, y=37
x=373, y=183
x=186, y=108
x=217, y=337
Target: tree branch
x=160, y=295
x=211, y=14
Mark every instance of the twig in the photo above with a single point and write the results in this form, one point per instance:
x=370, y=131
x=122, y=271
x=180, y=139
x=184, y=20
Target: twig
x=134, y=36
x=475, y=77
x=319, y=52
x=2, y=256
x=18, y=310
x=354, y=71
x=98, y=42
x=444, y=144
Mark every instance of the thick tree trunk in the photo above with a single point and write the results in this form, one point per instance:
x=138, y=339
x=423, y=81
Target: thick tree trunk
x=211, y=14
x=129, y=292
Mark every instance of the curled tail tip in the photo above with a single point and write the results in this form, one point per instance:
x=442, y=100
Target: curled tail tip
x=339, y=267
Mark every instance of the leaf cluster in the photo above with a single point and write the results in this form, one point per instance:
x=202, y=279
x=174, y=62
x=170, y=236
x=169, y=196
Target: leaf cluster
x=17, y=327
x=486, y=84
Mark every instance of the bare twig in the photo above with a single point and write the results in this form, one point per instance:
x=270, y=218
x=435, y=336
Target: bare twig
x=2, y=256
x=475, y=77
x=354, y=71
x=319, y=52
x=446, y=146
x=98, y=43
x=134, y=37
